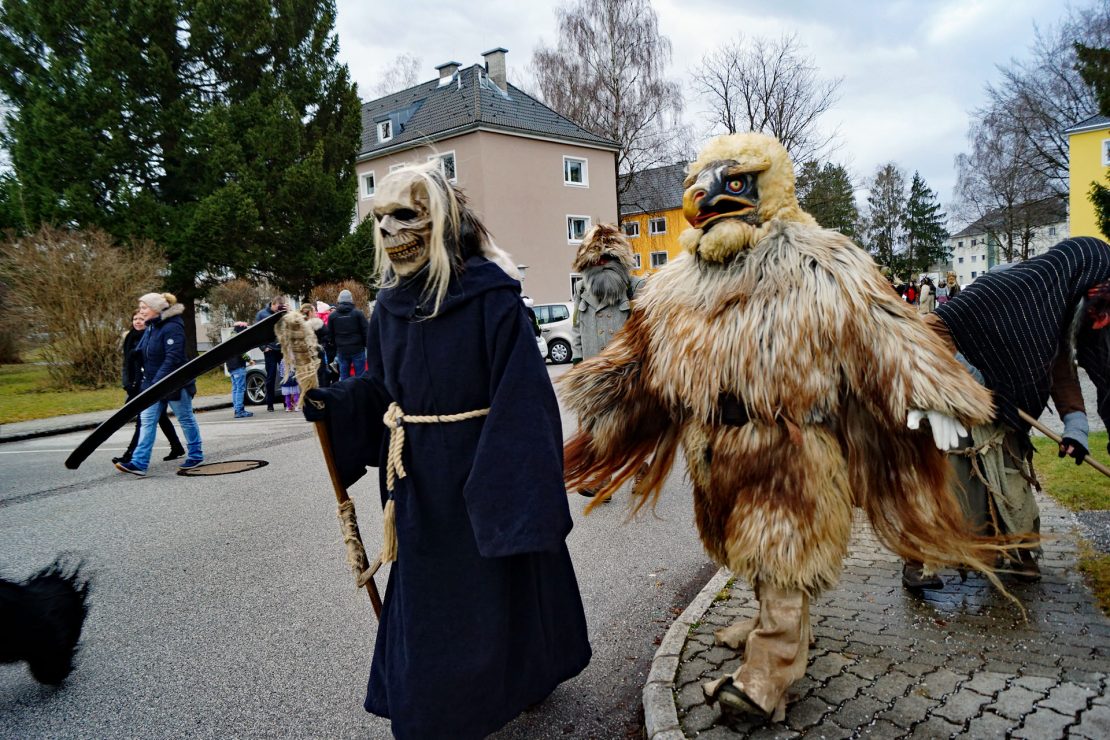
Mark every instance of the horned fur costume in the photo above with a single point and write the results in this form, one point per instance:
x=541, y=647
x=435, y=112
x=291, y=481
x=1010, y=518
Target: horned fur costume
x=775, y=352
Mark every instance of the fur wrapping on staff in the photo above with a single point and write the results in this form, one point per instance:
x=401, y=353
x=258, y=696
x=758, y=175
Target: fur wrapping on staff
x=297, y=337
x=826, y=362
x=41, y=620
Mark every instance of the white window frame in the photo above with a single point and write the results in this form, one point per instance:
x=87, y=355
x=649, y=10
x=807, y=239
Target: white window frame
x=1052, y=231
x=570, y=234
x=441, y=156
x=1106, y=152
x=666, y=257
x=362, y=185
x=651, y=226
x=626, y=224
x=585, y=172
x=382, y=125
x=575, y=278
x=636, y=263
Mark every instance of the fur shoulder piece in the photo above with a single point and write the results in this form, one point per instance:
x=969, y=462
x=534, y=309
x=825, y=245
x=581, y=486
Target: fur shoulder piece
x=175, y=310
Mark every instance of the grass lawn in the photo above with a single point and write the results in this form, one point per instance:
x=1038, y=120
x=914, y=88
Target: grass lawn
x=1080, y=488
x=26, y=393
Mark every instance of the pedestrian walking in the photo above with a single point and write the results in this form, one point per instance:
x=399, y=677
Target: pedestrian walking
x=163, y=351
x=237, y=369
x=347, y=331
x=927, y=298
x=132, y=381
x=290, y=389
x=271, y=352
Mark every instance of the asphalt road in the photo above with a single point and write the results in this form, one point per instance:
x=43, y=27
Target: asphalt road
x=222, y=606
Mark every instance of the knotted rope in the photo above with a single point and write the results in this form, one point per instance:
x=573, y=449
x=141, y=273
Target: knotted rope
x=396, y=419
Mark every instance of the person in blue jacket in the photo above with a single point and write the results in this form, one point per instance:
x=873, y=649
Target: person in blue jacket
x=163, y=351
x=482, y=616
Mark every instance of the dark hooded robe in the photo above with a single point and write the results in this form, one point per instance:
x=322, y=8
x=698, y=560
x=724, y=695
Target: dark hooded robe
x=482, y=616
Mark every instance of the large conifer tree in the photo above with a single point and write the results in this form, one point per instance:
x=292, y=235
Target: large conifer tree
x=224, y=130
x=926, y=232
x=826, y=193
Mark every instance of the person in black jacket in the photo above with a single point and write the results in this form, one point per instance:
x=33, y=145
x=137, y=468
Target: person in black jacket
x=271, y=352
x=347, y=329
x=132, y=384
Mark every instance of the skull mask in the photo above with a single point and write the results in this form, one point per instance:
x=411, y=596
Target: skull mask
x=402, y=209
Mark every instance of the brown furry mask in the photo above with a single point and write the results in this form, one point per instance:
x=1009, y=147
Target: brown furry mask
x=736, y=187
x=604, y=242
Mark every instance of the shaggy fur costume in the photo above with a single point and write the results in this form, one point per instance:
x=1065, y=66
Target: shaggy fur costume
x=777, y=355
x=41, y=620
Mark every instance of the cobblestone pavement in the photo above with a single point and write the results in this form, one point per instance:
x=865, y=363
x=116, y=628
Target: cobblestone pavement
x=887, y=664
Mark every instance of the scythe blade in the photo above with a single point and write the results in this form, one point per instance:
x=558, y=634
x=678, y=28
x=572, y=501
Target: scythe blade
x=246, y=340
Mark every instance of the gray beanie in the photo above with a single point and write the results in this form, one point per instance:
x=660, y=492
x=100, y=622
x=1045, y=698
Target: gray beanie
x=156, y=301
x=345, y=297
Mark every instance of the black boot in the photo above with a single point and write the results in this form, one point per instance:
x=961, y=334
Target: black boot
x=914, y=578
x=175, y=452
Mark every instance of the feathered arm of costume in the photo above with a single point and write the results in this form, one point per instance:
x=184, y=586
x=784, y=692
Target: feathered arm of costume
x=893, y=362
x=622, y=424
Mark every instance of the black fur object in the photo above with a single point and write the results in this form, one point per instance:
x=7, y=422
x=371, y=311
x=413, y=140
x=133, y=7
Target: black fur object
x=41, y=619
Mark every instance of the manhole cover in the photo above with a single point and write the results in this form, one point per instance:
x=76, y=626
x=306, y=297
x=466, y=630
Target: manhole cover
x=225, y=468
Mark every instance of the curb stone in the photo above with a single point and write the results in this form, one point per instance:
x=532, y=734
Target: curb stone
x=660, y=711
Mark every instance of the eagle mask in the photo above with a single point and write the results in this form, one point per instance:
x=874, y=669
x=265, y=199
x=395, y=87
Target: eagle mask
x=736, y=187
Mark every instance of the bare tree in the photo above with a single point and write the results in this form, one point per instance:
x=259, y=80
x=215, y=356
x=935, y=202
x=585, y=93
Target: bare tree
x=1045, y=95
x=402, y=73
x=607, y=74
x=996, y=187
x=768, y=85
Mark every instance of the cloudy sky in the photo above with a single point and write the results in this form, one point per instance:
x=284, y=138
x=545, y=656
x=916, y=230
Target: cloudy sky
x=912, y=70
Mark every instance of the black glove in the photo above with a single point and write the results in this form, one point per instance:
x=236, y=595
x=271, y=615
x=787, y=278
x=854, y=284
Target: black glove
x=1078, y=451
x=576, y=361
x=314, y=400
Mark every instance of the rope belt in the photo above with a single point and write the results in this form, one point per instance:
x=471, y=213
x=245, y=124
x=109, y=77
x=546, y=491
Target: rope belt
x=396, y=419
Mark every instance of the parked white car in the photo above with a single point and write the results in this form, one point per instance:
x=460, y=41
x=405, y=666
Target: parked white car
x=554, y=321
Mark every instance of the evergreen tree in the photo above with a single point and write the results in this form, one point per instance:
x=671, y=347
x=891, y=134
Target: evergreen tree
x=827, y=194
x=886, y=216
x=223, y=131
x=926, y=234
x=1094, y=67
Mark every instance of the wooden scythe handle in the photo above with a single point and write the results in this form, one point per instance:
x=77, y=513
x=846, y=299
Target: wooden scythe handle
x=1057, y=439
x=342, y=497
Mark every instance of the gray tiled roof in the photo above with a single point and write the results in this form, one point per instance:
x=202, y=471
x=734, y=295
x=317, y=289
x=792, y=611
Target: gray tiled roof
x=657, y=189
x=1042, y=213
x=430, y=111
x=1091, y=124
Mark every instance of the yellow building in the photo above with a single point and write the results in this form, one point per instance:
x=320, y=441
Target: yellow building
x=651, y=215
x=1089, y=158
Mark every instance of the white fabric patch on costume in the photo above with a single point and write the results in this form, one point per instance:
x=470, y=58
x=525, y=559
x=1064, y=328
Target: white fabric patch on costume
x=169, y=341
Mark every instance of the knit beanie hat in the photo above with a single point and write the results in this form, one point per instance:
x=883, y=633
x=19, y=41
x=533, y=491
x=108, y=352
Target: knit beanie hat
x=322, y=307
x=155, y=301
x=344, y=297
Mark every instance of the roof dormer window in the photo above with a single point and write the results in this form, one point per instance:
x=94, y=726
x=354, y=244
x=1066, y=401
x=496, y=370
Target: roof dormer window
x=385, y=131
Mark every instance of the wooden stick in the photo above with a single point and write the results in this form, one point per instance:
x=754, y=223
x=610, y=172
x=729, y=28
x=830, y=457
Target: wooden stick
x=1056, y=438
x=341, y=497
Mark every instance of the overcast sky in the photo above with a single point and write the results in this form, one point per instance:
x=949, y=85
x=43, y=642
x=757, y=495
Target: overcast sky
x=913, y=70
